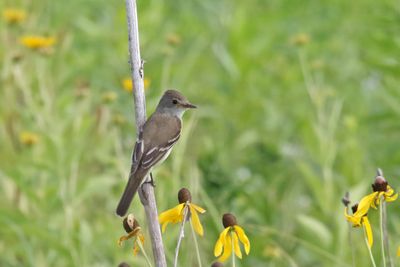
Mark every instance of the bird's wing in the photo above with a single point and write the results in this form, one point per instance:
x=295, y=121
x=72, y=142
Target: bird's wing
x=160, y=133
x=137, y=152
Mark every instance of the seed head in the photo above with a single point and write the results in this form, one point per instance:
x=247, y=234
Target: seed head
x=130, y=223
x=380, y=184
x=184, y=195
x=228, y=219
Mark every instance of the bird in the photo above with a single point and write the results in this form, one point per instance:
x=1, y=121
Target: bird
x=155, y=141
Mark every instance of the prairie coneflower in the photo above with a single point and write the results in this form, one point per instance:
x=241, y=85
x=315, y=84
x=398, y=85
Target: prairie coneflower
x=13, y=15
x=229, y=238
x=382, y=190
x=109, y=97
x=28, y=138
x=300, y=39
x=359, y=217
x=37, y=42
x=176, y=214
x=133, y=229
x=127, y=84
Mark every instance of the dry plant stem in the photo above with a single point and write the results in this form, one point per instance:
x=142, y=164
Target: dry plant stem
x=181, y=234
x=386, y=236
x=369, y=248
x=233, y=251
x=353, y=258
x=147, y=197
x=144, y=252
x=382, y=231
x=196, y=245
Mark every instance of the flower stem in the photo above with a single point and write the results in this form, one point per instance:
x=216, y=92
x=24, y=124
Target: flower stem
x=353, y=258
x=369, y=249
x=382, y=231
x=233, y=252
x=196, y=244
x=181, y=234
x=144, y=252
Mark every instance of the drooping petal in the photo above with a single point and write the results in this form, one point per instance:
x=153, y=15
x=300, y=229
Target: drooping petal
x=236, y=246
x=365, y=204
x=227, y=248
x=196, y=221
x=173, y=215
x=220, y=242
x=136, y=247
x=391, y=198
x=368, y=230
x=355, y=221
x=164, y=226
x=128, y=236
x=198, y=208
x=243, y=238
x=389, y=190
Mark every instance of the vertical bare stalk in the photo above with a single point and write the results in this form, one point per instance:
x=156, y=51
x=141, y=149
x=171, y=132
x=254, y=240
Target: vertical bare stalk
x=386, y=236
x=181, y=233
x=147, y=195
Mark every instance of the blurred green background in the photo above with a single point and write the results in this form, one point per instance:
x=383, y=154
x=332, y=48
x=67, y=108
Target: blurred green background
x=299, y=103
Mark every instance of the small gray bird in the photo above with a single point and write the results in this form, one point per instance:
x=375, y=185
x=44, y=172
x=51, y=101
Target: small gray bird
x=155, y=141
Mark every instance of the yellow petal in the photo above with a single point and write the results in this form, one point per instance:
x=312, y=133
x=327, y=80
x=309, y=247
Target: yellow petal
x=368, y=230
x=220, y=242
x=227, y=248
x=236, y=245
x=196, y=221
x=199, y=209
x=391, y=198
x=398, y=252
x=365, y=204
x=164, y=226
x=128, y=236
x=243, y=238
x=173, y=215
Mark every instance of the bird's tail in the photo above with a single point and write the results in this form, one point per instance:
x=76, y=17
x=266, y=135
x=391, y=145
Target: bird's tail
x=135, y=179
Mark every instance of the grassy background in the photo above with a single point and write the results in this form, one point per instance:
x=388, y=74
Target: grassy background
x=283, y=130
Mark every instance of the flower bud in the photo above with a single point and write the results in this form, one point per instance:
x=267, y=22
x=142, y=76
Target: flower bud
x=130, y=223
x=184, y=195
x=228, y=219
x=346, y=199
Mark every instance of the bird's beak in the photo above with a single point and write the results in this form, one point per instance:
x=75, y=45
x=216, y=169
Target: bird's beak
x=188, y=105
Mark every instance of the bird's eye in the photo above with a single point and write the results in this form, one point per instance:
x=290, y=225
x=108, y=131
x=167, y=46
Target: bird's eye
x=175, y=101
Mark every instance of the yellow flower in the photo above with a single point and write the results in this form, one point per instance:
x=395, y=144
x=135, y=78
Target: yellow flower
x=229, y=238
x=14, y=15
x=109, y=97
x=382, y=190
x=359, y=217
x=127, y=84
x=133, y=229
x=37, y=42
x=398, y=252
x=300, y=39
x=176, y=214
x=28, y=138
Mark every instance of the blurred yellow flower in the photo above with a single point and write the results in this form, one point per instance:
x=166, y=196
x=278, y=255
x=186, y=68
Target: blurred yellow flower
x=300, y=39
x=382, y=190
x=398, y=252
x=133, y=229
x=109, y=97
x=14, y=15
x=37, y=42
x=127, y=84
x=229, y=238
x=176, y=214
x=28, y=138
x=359, y=217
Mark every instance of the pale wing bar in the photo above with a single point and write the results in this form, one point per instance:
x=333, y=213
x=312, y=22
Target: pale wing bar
x=154, y=155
